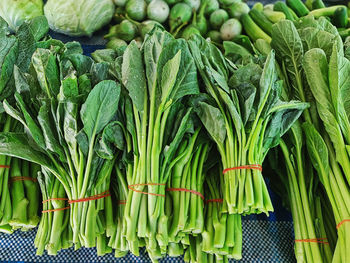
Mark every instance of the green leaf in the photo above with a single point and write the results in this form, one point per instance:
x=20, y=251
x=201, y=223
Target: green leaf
x=49, y=130
x=169, y=74
x=30, y=122
x=316, y=70
x=318, y=152
x=133, y=75
x=8, y=57
x=100, y=107
x=339, y=84
x=152, y=48
x=44, y=63
x=213, y=121
x=289, y=49
x=39, y=27
x=18, y=145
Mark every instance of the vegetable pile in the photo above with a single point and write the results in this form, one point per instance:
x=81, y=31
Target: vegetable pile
x=162, y=140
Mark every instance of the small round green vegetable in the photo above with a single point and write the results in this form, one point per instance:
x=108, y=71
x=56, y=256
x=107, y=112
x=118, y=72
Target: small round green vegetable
x=200, y=20
x=120, y=3
x=136, y=9
x=215, y=36
x=146, y=26
x=227, y=2
x=125, y=31
x=158, y=10
x=230, y=29
x=116, y=43
x=171, y=2
x=237, y=9
x=179, y=14
x=194, y=4
x=218, y=17
x=119, y=14
x=189, y=31
x=212, y=5
x=259, y=6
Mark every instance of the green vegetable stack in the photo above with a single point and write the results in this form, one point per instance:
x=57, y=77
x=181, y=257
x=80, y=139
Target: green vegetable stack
x=209, y=18
x=245, y=116
x=260, y=19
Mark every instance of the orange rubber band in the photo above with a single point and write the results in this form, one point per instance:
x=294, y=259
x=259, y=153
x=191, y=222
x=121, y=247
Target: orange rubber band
x=185, y=190
x=214, y=201
x=247, y=167
x=54, y=199
x=342, y=222
x=314, y=240
x=131, y=187
x=122, y=202
x=5, y=166
x=23, y=178
x=54, y=210
x=94, y=197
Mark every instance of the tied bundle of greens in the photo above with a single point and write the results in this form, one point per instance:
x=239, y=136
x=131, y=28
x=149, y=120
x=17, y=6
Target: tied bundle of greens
x=302, y=49
x=328, y=147
x=245, y=116
x=157, y=79
x=54, y=232
x=222, y=236
x=185, y=200
x=19, y=194
x=66, y=107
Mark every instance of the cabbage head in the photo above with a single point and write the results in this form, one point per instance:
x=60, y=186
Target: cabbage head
x=78, y=17
x=15, y=12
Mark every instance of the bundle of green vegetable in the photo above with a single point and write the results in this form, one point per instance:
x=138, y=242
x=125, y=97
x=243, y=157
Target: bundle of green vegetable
x=185, y=190
x=19, y=190
x=19, y=195
x=246, y=117
x=210, y=18
x=54, y=232
x=222, y=236
x=303, y=49
x=66, y=107
x=157, y=102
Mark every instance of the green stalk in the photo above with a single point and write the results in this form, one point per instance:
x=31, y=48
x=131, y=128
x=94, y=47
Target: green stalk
x=19, y=201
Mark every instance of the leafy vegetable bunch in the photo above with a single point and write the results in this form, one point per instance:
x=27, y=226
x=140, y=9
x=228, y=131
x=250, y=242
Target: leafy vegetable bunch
x=19, y=192
x=311, y=55
x=245, y=116
x=66, y=107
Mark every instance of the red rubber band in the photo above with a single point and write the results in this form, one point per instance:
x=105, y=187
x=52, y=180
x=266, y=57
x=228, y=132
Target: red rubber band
x=122, y=202
x=94, y=197
x=54, y=210
x=5, y=166
x=131, y=187
x=214, y=201
x=342, y=222
x=53, y=199
x=314, y=240
x=185, y=190
x=247, y=167
x=22, y=178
